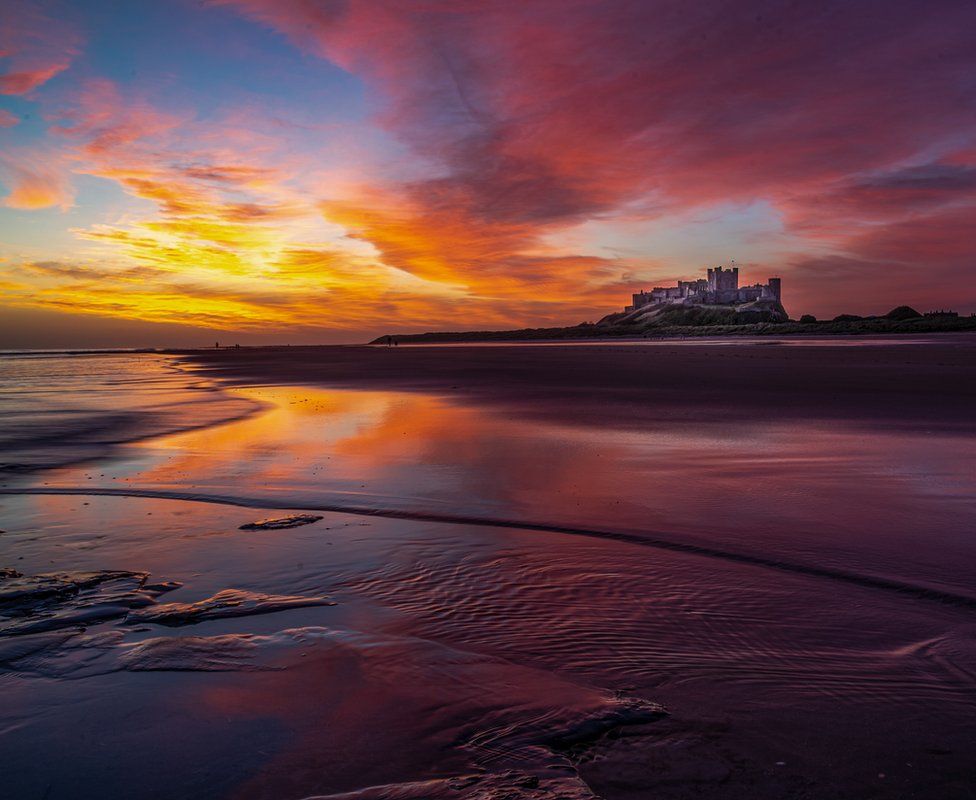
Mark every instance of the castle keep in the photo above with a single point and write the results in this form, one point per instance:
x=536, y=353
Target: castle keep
x=721, y=287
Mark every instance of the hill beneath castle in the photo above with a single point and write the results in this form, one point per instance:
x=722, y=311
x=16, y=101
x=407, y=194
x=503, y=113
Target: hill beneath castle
x=759, y=318
x=666, y=315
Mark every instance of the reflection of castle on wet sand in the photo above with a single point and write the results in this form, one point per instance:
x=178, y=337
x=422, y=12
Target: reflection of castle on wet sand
x=721, y=287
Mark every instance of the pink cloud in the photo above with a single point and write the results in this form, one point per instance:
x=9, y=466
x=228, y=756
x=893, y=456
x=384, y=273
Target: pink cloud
x=35, y=48
x=603, y=100
x=944, y=238
x=23, y=82
x=7, y=119
x=107, y=122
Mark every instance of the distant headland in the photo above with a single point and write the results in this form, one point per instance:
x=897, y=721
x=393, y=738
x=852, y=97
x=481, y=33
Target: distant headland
x=713, y=306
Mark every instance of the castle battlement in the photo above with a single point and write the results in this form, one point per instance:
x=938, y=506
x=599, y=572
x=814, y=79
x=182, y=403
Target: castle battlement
x=721, y=287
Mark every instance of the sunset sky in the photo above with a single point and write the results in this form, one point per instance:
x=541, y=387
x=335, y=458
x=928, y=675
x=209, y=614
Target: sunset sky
x=329, y=170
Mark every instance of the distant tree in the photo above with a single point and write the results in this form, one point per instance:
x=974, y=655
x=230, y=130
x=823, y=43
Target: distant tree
x=902, y=312
x=808, y=318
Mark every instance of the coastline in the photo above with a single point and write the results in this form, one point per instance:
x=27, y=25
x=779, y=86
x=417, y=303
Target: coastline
x=869, y=326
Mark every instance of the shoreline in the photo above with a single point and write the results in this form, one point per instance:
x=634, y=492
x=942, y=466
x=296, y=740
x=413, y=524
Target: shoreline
x=171, y=399
x=868, y=326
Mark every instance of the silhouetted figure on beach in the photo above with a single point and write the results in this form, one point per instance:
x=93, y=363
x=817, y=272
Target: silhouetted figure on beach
x=216, y=345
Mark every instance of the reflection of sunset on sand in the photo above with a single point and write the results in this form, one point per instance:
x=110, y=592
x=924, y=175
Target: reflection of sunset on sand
x=526, y=568
x=759, y=486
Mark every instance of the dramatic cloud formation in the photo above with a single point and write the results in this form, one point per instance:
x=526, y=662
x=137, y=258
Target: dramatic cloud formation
x=472, y=163
x=554, y=113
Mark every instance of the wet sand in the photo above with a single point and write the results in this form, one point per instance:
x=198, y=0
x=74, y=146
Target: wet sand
x=912, y=381
x=456, y=651
x=516, y=588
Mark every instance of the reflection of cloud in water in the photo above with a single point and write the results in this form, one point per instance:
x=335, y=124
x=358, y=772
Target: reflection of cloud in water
x=759, y=486
x=69, y=409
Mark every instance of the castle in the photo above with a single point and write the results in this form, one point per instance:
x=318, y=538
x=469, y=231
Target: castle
x=720, y=288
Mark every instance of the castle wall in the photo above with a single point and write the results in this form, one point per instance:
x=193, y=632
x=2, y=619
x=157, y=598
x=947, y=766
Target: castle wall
x=641, y=299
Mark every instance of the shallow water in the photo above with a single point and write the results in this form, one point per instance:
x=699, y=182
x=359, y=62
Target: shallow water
x=890, y=504
x=58, y=409
x=508, y=592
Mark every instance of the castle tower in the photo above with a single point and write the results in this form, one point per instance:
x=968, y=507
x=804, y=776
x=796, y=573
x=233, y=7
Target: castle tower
x=775, y=287
x=722, y=280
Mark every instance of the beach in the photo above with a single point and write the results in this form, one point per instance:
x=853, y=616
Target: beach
x=716, y=569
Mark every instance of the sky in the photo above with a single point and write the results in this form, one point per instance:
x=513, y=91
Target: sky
x=311, y=171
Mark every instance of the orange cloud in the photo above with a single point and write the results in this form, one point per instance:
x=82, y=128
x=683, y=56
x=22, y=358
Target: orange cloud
x=233, y=243
x=36, y=180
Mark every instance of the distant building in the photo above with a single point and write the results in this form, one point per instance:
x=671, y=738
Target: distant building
x=721, y=287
